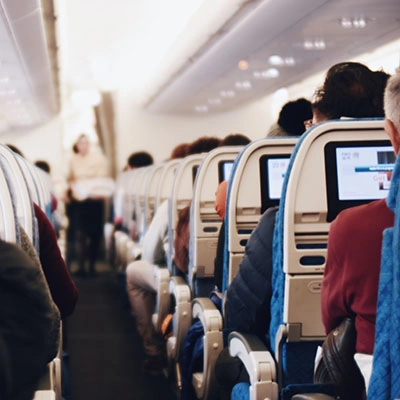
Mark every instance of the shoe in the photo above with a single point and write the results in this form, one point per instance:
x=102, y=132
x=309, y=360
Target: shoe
x=154, y=365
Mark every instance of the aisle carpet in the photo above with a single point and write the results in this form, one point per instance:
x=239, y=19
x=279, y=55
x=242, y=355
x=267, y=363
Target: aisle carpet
x=105, y=353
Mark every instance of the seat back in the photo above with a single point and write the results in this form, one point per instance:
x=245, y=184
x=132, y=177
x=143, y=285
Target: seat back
x=119, y=198
x=8, y=217
x=249, y=195
x=151, y=194
x=19, y=191
x=204, y=220
x=320, y=181
x=181, y=196
x=166, y=181
x=143, y=176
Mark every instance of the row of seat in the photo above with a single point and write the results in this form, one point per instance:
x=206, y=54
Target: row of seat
x=310, y=171
x=22, y=185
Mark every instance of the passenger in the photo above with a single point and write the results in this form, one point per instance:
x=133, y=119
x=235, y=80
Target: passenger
x=88, y=213
x=141, y=283
x=180, y=151
x=29, y=324
x=61, y=285
x=351, y=90
x=139, y=159
x=351, y=276
x=291, y=118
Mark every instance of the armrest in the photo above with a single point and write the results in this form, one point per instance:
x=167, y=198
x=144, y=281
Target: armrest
x=182, y=319
x=204, y=309
x=211, y=319
x=258, y=362
x=163, y=298
x=179, y=289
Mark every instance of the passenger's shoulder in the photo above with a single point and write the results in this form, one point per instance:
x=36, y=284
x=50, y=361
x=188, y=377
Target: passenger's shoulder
x=359, y=216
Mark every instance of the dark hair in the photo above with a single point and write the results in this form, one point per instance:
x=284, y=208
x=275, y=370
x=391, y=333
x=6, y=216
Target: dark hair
x=15, y=149
x=140, y=159
x=292, y=116
x=235, y=139
x=44, y=165
x=351, y=90
x=204, y=145
x=180, y=151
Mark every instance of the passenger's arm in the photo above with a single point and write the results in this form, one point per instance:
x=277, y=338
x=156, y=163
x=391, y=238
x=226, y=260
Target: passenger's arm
x=62, y=287
x=153, y=250
x=181, y=240
x=333, y=305
x=248, y=296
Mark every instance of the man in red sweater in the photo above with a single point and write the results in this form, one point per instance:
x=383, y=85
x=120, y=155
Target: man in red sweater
x=350, y=284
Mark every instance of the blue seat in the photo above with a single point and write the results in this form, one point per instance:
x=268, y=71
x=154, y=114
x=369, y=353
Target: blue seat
x=385, y=378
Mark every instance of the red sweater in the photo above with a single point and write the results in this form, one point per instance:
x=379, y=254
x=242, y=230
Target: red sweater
x=62, y=287
x=350, y=284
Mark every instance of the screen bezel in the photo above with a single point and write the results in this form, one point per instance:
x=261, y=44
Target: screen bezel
x=334, y=204
x=266, y=201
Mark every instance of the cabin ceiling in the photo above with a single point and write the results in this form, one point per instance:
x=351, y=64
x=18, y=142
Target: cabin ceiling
x=246, y=30
x=102, y=47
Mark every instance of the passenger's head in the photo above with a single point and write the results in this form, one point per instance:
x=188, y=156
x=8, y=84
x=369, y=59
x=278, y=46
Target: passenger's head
x=82, y=144
x=180, y=151
x=392, y=110
x=44, y=165
x=204, y=145
x=139, y=159
x=292, y=116
x=235, y=139
x=350, y=90
x=15, y=149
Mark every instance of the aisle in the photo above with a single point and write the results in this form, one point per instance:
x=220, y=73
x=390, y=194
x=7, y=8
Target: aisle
x=105, y=352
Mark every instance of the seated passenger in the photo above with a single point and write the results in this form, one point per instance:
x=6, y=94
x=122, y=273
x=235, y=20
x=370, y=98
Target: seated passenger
x=141, y=283
x=350, y=284
x=62, y=287
x=291, y=118
x=29, y=323
x=353, y=91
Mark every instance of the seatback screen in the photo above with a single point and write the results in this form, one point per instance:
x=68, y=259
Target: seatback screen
x=224, y=170
x=272, y=173
x=357, y=173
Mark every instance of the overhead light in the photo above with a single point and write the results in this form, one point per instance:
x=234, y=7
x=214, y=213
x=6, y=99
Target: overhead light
x=201, y=109
x=270, y=73
x=279, y=61
x=276, y=60
x=245, y=85
x=357, y=22
x=227, y=94
x=243, y=65
x=318, y=44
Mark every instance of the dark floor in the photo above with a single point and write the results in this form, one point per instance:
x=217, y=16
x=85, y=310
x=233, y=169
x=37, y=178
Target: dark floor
x=104, y=348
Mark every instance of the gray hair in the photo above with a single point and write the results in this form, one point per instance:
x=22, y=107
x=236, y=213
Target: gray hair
x=392, y=99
